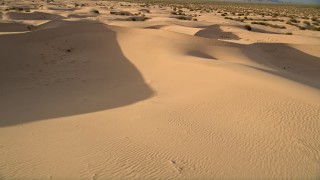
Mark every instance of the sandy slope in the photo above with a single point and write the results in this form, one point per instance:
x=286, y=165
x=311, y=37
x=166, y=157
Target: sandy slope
x=159, y=99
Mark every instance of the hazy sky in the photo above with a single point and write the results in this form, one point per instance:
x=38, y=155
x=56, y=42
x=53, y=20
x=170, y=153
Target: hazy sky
x=302, y=1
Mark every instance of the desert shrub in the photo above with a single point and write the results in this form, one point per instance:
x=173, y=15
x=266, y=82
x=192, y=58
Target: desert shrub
x=95, y=11
x=247, y=27
x=260, y=23
x=277, y=26
x=271, y=25
x=288, y=33
x=300, y=27
x=122, y=13
x=137, y=18
x=184, y=17
x=289, y=22
x=306, y=22
x=237, y=19
x=314, y=19
x=314, y=28
x=145, y=10
x=294, y=20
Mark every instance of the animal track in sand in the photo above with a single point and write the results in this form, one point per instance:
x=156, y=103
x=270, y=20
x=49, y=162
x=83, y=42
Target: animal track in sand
x=178, y=168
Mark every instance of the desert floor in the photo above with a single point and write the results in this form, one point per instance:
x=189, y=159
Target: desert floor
x=88, y=94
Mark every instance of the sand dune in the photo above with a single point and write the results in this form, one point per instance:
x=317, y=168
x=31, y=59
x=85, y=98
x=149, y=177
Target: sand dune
x=216, y=33
x=65, y=79
x=14, y=27
x=101, y=98
x=33, y=16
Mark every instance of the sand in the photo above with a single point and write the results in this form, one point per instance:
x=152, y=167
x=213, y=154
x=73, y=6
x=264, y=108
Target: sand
x=87, y=96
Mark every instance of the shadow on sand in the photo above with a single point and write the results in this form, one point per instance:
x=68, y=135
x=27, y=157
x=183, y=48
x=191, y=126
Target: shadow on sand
x=14, y=27
x=286, y=61
x=73, y=69
x=215, y=32
x=33, y=16
x=78, y=67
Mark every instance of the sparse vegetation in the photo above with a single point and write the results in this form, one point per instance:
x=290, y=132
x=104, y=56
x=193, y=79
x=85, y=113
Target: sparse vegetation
x=292, y=20
x=270, y=25
x=306, y=22
x=315, y=23
x=95, y=11
x=137, y=18
x=121, y=13
x=145, y=10
x=224, y=14
x=314, y=28
x=183, y=17
x=271, y=15
x=247, y=27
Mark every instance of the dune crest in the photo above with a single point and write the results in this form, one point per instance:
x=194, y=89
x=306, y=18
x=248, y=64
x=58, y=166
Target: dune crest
x=60, y=79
